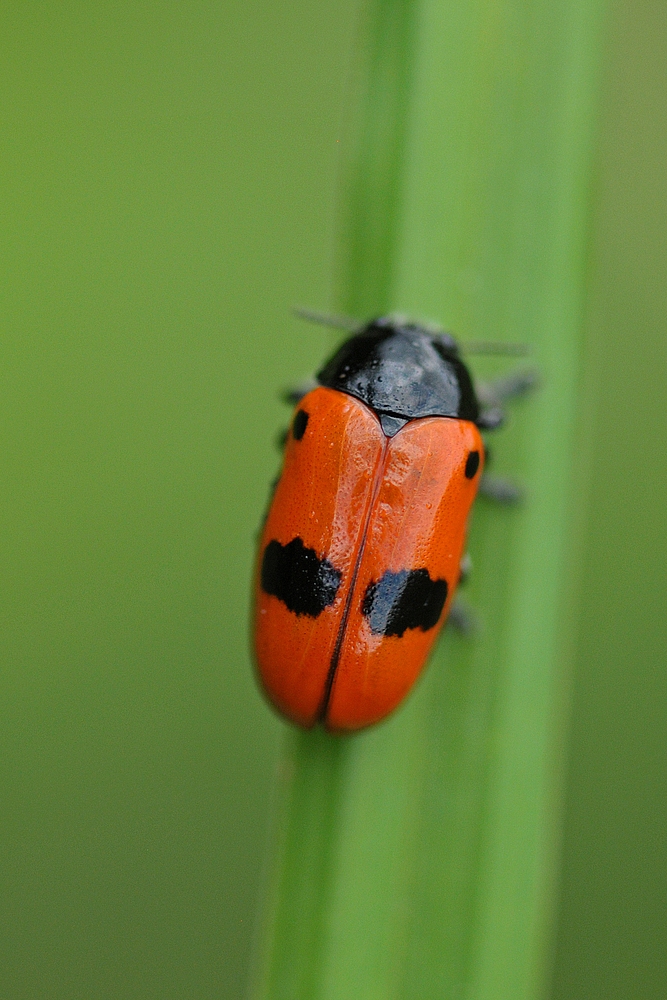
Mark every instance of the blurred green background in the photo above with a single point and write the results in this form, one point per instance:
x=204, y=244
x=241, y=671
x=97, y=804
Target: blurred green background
x=168, y=191
x=612, y=925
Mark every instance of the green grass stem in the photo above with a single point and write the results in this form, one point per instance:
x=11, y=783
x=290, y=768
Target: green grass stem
x=416, y=860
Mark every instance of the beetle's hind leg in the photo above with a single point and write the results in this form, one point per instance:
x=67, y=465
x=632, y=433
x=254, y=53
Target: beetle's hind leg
x=462, y=617
x=465, y=569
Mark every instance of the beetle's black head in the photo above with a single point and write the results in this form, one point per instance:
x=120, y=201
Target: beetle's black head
x=400, y=370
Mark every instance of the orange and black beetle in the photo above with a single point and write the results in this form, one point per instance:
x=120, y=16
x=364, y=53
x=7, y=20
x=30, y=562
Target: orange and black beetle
x=361, y=550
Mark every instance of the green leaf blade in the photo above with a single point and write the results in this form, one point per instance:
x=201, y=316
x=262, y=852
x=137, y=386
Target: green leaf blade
x=439, y=868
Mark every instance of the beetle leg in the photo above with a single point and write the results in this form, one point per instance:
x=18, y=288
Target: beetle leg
x=490, y=418
x=462, y=617
x=272, y=490
x=294, y=394
x=492, y=394
x=500, y=489
x=517, y=383
x=465, y=568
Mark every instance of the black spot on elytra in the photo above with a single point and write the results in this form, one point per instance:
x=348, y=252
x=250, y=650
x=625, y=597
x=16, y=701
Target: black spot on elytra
x=295, y=575
x=403, y=600
x=472, y=464
x=299, y=424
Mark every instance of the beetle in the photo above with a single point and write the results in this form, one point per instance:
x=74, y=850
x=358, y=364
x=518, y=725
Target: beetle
x=361, y=550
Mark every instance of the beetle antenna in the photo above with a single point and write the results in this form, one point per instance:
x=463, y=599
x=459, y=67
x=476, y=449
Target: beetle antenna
x=338, y=322
x=352, y=326
x=489, y=347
